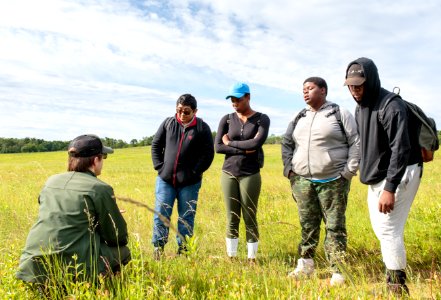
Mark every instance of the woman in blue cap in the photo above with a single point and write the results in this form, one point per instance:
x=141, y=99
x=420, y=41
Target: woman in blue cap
x=240, y=137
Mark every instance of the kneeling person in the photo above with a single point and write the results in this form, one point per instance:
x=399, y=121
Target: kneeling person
x=79, y=224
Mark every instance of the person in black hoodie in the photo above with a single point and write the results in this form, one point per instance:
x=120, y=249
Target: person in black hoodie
x=390, y=164
x=182, y=149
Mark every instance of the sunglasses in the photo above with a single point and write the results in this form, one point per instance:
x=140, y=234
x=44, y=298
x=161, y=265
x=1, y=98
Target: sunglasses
x=104, y=155
x=185, y=112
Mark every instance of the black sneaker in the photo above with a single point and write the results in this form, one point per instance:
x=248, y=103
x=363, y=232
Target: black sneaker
x=396, y=282
x=182, y=249
x=398, y=289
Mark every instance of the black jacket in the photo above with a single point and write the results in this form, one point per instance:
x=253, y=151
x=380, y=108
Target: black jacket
x=243, y=137
x=181, y=155
x=389, y=146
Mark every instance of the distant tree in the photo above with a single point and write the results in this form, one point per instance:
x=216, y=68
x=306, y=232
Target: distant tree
x=134, y=142
x=59, y=145
x=29, y=147
x=121, y=144
x=146, y=141
x=109, y=142
x=46, y=146
x=9, y=145
x=273, y=139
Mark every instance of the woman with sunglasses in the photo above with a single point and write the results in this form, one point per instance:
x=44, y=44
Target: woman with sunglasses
x=182, y=150
x=240, y=137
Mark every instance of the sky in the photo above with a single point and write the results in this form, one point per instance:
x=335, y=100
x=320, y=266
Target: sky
x=115, y=68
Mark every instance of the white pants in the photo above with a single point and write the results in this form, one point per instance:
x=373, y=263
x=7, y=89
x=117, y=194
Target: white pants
x=389, y=228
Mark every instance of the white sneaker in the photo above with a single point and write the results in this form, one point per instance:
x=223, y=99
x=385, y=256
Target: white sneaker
x=232, y=247
x=337, y=279
x=252, y=250
x=305, y=267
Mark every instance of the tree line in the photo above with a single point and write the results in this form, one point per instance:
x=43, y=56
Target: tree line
x=27, y=145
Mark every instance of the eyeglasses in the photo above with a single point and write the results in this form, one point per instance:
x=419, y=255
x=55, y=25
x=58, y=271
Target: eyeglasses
x=104, y=155
x=185, y=112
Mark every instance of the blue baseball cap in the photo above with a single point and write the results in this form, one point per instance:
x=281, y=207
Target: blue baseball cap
x=238, y=90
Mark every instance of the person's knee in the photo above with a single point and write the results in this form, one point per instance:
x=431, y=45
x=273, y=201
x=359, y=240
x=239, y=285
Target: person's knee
x=123, y=258
x=126, y=255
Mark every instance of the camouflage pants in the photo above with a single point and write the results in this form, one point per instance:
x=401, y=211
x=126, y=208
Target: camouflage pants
x=317, y=202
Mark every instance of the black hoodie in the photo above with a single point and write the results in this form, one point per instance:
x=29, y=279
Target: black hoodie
x=181, y=154
x=387, y=148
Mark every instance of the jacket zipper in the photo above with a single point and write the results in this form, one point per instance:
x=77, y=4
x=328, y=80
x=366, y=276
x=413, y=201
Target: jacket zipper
x=175, y=167
x=309, y=143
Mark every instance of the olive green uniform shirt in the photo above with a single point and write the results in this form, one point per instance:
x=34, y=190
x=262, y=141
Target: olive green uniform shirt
x=78, y=222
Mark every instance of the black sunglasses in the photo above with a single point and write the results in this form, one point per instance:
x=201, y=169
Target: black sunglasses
x=185, y=112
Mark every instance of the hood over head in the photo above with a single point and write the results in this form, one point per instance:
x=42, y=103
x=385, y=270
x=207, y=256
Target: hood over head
x=372, y=84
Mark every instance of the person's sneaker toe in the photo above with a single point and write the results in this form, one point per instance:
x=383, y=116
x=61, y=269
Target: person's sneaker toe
x=337, y=279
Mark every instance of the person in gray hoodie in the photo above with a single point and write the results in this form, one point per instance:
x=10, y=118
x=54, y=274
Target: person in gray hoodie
x=320, y=152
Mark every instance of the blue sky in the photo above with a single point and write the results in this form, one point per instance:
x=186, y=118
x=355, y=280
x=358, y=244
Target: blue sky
x=116, y=68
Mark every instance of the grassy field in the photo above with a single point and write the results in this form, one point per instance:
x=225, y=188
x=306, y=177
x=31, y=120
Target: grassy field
x=206, y=273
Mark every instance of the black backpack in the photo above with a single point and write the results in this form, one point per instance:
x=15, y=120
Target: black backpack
x=427, y=133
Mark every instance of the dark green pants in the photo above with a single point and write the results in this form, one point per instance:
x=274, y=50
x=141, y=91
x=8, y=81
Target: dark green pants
x=241, y=195
x=115, y=257
x=317, y=202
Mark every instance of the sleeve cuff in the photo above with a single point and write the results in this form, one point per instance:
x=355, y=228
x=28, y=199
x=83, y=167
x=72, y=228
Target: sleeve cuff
x=347, y=175
x=390, y=187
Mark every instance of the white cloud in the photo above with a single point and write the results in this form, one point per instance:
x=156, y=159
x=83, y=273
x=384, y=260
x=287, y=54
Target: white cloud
x=117, y=67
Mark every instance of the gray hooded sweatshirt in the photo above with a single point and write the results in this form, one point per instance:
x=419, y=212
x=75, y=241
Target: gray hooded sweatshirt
x=318, y=149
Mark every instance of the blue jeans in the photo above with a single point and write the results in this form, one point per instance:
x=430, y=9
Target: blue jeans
x=166, y=194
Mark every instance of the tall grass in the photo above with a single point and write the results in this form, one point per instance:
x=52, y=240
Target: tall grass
x=206, y=273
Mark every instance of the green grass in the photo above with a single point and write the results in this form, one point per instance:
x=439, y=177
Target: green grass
x=206, y=273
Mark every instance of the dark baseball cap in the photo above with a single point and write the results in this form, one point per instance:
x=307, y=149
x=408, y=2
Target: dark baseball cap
x=355, y=75
x=87, y=145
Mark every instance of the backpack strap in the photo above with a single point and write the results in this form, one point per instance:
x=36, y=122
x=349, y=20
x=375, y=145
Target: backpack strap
x=260, y=118
x=336, y=111
x=300, y=115
x=384, y=104
x=168, y=122
x=199, y=124
x=229, y=118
